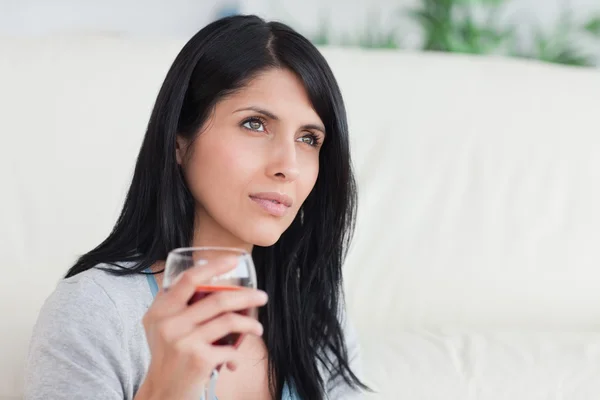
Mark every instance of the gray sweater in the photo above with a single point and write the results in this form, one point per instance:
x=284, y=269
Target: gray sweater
x=89, y=342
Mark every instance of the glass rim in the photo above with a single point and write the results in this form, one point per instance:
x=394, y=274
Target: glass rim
x=181, y=251
x=186, y=253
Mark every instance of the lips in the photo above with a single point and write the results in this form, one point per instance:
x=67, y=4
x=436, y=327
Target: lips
x=276, y=204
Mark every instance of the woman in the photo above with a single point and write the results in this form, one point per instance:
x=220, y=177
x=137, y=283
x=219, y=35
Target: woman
x=247, y=146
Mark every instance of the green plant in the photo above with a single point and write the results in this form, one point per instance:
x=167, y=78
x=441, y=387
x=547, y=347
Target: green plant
x=452, y=26
x=476, y=27
x=592, y=26
x=370, y=37
x=559, y=45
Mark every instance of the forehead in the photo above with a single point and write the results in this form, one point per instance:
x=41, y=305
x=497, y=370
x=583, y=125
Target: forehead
x=278, y=91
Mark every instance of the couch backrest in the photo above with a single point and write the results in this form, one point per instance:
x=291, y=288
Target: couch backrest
x=479, y=181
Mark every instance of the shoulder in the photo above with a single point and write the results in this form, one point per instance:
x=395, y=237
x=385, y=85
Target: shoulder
x=80, y=337
x=120, y=289
x=81, y=291
x=93, y=296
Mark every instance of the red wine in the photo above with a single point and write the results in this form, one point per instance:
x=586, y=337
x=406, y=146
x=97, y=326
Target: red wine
x=232, y=339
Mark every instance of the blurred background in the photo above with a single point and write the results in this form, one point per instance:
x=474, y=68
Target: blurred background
x=556, y=31
x=475, y=259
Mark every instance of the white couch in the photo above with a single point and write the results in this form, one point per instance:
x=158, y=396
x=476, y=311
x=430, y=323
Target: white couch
x=475, y=270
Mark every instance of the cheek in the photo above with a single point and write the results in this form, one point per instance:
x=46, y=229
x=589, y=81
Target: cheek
x=309, y=178
x=217, y=166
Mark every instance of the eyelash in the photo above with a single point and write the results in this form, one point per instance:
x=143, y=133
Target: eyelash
x=316, y=141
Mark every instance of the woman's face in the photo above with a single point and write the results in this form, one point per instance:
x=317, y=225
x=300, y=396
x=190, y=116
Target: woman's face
x=254, y=162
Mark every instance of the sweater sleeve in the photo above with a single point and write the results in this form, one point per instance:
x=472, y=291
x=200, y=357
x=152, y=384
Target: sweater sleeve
x=76, y=351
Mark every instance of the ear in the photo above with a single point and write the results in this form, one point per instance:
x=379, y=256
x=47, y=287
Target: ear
x=180, y=149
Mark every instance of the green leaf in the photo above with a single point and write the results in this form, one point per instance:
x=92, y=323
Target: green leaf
x=435, y=21
x=423, y=17
x=457, y=45
x=593, y=26
x=569, y=56
x=481, y=2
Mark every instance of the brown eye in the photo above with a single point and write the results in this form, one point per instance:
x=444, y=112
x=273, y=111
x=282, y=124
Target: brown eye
x=254, y=125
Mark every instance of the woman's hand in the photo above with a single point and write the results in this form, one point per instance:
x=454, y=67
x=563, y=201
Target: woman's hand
x=180, y=336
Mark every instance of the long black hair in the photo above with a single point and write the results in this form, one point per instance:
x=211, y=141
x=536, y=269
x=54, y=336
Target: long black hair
x=302, y=272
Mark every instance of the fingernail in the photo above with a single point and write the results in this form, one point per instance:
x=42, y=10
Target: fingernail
x=263, y=295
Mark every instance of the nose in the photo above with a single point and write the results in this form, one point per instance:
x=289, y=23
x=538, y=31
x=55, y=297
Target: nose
x=283, y=163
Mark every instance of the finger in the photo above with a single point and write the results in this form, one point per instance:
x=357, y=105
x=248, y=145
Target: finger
x=183, y=323
x=222, y=302
x=229, y=323
x=205, y=355
x=181, y=291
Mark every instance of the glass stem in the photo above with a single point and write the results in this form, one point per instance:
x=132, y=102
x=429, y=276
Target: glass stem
x=210, y=392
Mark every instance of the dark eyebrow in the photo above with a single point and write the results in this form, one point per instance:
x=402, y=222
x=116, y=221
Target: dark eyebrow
x=274, y=117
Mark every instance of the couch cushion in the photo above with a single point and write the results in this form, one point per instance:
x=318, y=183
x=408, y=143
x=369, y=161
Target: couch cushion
x=453, y=364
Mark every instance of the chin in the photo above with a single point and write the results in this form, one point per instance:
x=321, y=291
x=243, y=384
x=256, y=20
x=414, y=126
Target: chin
x=264, y=234
x=266, y=242
x=265, y=239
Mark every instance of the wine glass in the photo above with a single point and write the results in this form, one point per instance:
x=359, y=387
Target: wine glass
x=242, y=276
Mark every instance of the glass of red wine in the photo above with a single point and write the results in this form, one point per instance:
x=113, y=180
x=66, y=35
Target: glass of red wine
x=242, y=276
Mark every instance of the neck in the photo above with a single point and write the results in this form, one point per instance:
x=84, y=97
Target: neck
x=207, y=233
